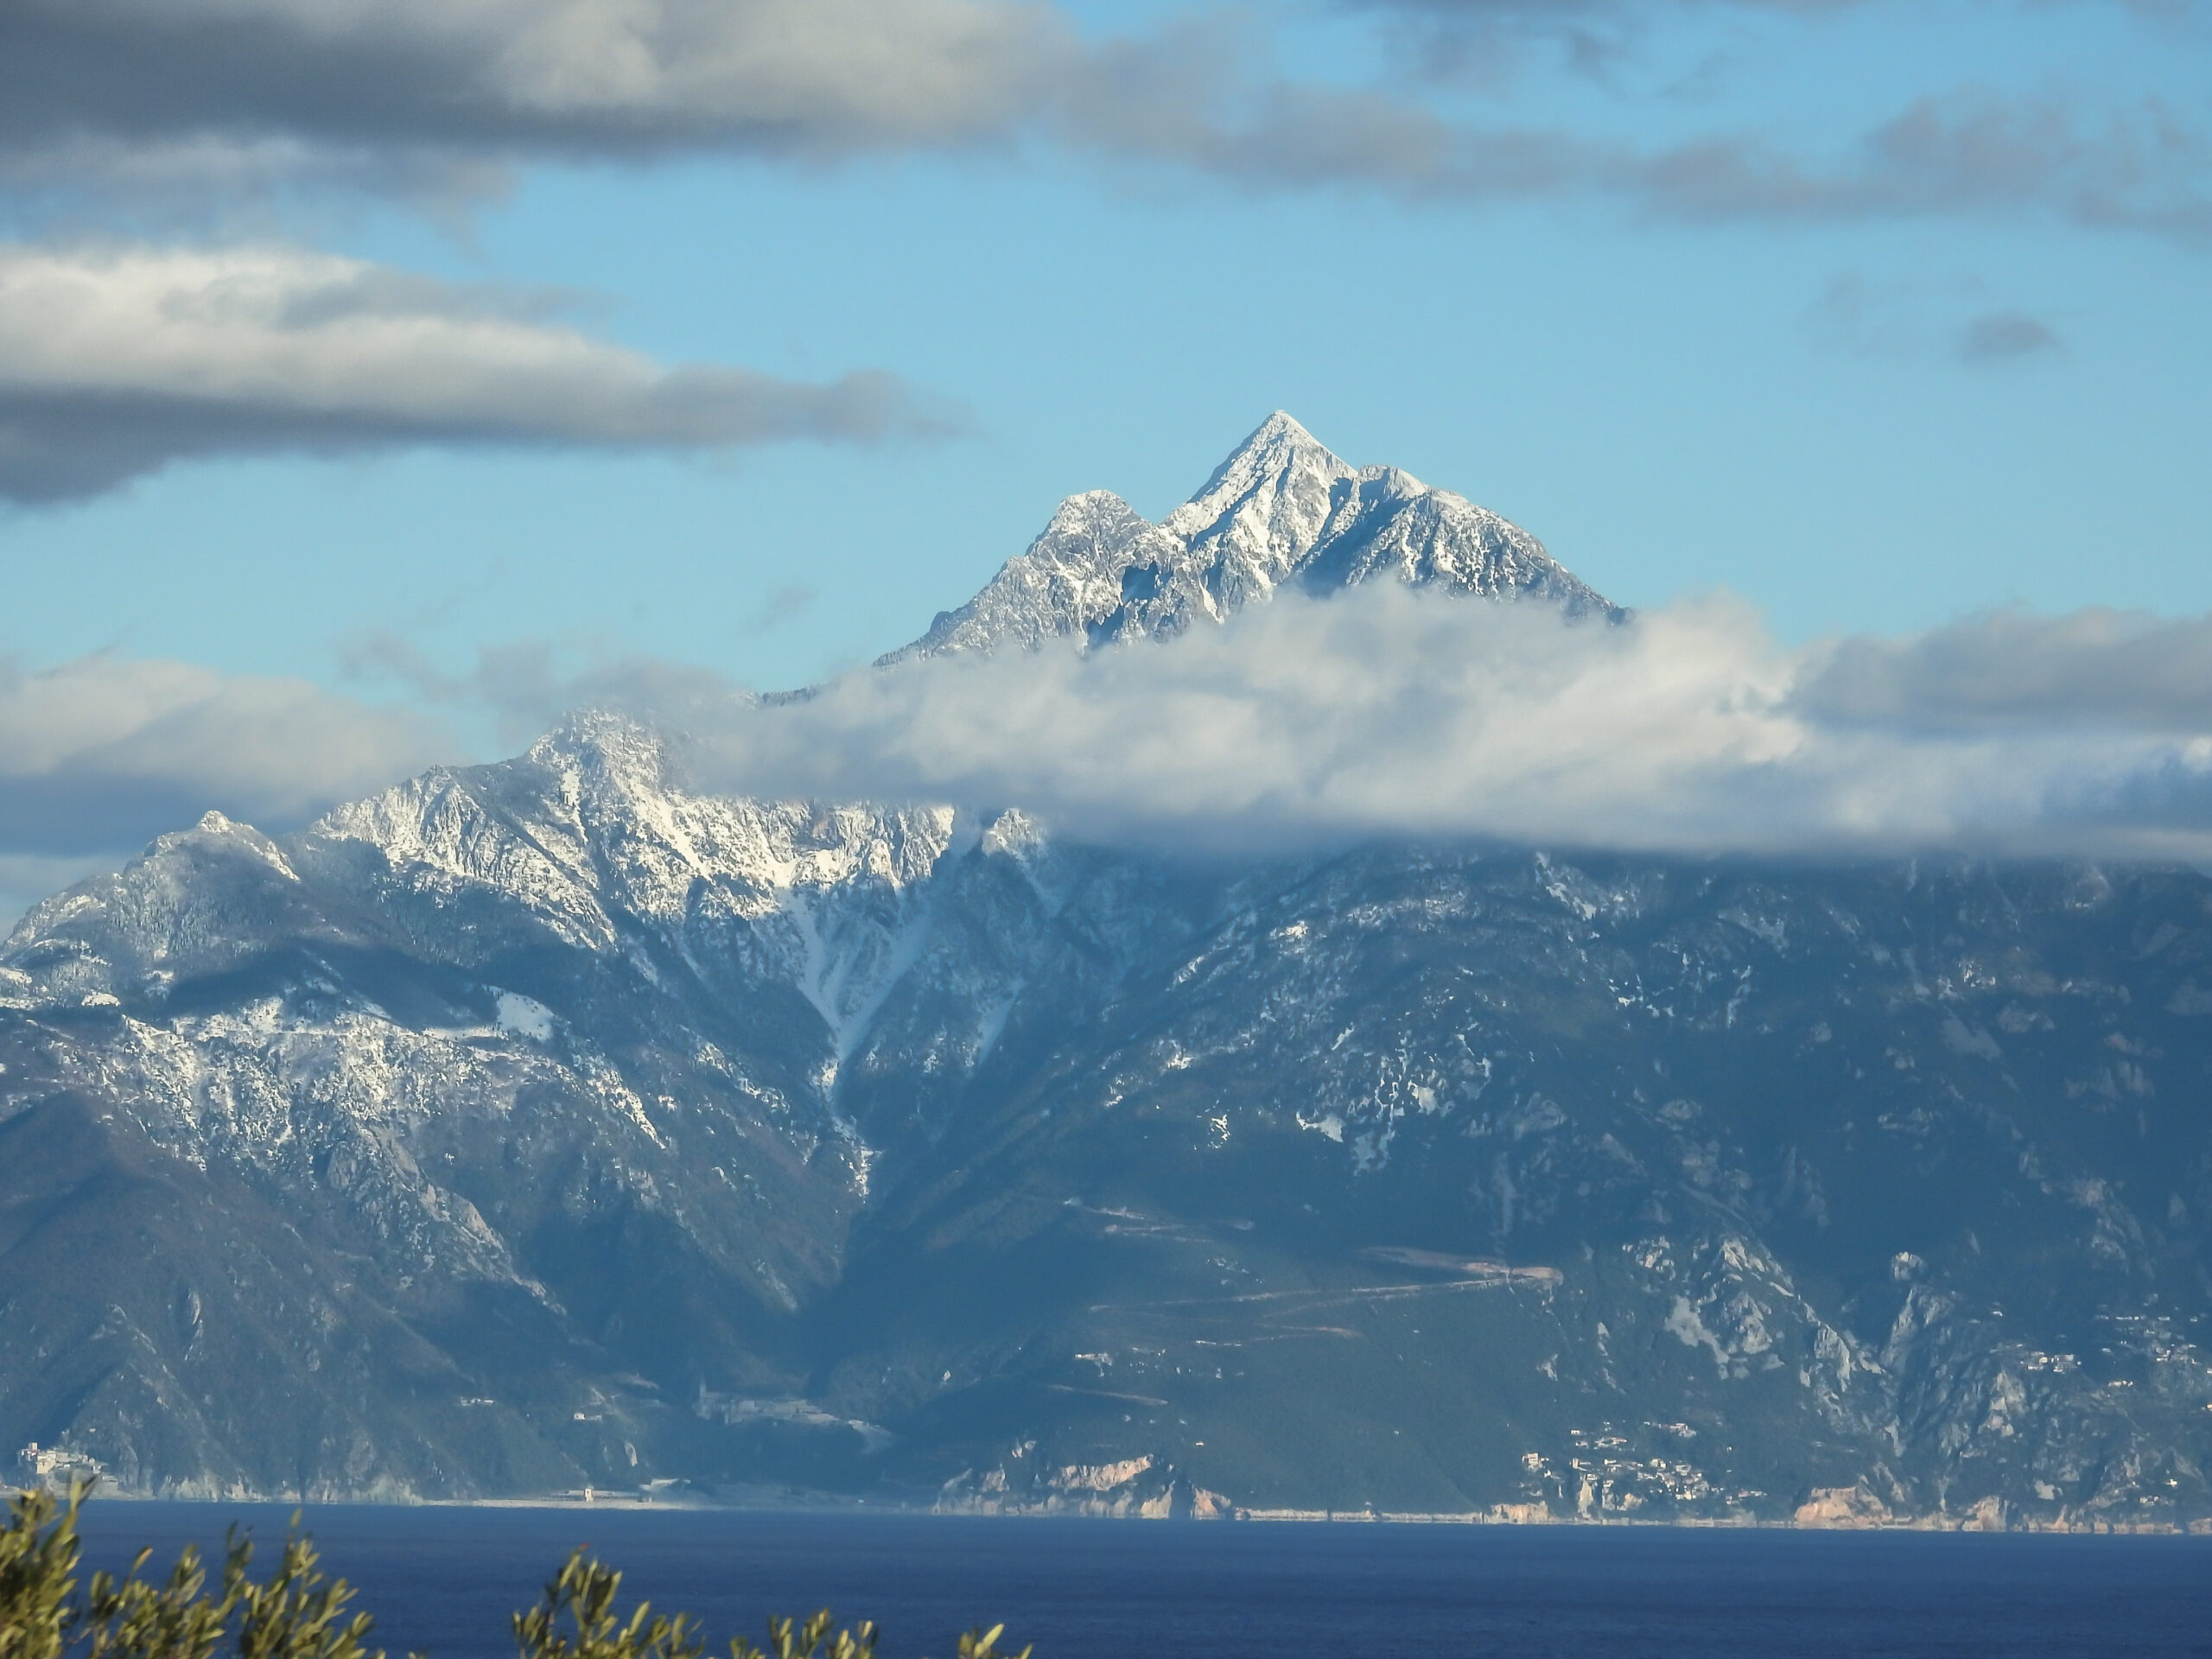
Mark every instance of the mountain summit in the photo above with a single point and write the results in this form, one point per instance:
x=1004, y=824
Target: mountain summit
x=1282, y=511
x=551, y=1126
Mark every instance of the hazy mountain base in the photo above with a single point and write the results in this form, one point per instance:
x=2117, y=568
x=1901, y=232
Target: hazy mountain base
x=993, y=1174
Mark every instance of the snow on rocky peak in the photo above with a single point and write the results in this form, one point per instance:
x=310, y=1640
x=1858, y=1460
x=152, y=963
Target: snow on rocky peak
x=1264, y=509
x=1071, y=577
x=1283, y=509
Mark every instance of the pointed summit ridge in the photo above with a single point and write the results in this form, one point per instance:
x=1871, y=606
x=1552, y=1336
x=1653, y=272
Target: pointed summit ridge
x=1278, y=453
x=1283, y=508
x=1262, y=510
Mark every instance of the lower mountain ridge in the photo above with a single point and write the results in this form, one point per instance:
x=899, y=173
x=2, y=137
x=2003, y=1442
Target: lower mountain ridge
x=547, y=1126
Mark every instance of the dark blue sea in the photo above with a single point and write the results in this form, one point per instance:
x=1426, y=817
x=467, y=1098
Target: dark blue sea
x=444, y=1582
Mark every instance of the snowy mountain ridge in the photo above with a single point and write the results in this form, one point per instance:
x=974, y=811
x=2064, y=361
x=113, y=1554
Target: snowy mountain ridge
x=585, y=833
x=1281, y=510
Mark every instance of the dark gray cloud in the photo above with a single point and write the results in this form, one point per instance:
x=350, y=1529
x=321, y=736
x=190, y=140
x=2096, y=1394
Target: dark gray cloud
x=114, y=363
x=1486, y=41
x=1537, y=15
x=1456, y=36
x=1927, y=318
x=579, y=76
x=139, y=93
x=2091, y=670
x=777, y=608
x=2005, y=337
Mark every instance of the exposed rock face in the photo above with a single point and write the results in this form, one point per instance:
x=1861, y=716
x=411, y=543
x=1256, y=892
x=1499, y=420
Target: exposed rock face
x=550, y=1123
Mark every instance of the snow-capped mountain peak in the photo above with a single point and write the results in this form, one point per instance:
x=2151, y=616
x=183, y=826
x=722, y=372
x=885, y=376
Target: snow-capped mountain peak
x=1266, y=506
x=1282, y=508
x=1069, y=578
x=1280, y=463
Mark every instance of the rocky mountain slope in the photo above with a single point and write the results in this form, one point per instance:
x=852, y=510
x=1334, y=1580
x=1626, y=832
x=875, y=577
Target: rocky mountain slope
x=552, y=1124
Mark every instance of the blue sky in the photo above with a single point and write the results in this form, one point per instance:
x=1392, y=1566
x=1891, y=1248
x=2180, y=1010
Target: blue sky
x=1869, y=379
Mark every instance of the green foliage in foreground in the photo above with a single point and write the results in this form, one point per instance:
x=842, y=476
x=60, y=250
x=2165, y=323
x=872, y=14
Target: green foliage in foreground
x=299, y=1612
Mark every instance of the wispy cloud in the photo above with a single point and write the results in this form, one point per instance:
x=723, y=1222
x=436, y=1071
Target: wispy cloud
x=1928, y=319
x=1974, y=154
x=1978, y=153
x=115, y=363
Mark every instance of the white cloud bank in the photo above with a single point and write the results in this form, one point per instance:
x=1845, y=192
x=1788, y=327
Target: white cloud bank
x=102, y=754
x=116, y=362
x=1383, y=712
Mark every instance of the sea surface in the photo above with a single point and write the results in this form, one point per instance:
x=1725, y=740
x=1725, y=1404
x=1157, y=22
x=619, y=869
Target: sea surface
x=445, y=1581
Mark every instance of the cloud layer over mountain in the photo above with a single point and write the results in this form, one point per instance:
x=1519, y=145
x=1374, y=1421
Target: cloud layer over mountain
x=1385, y=712
x=1381, y=712
x=114, y=363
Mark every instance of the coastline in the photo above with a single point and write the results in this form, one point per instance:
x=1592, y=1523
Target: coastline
x=739, y=1501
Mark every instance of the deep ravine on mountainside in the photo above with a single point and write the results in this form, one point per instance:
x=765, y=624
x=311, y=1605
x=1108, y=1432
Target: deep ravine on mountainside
x=551, y=1124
